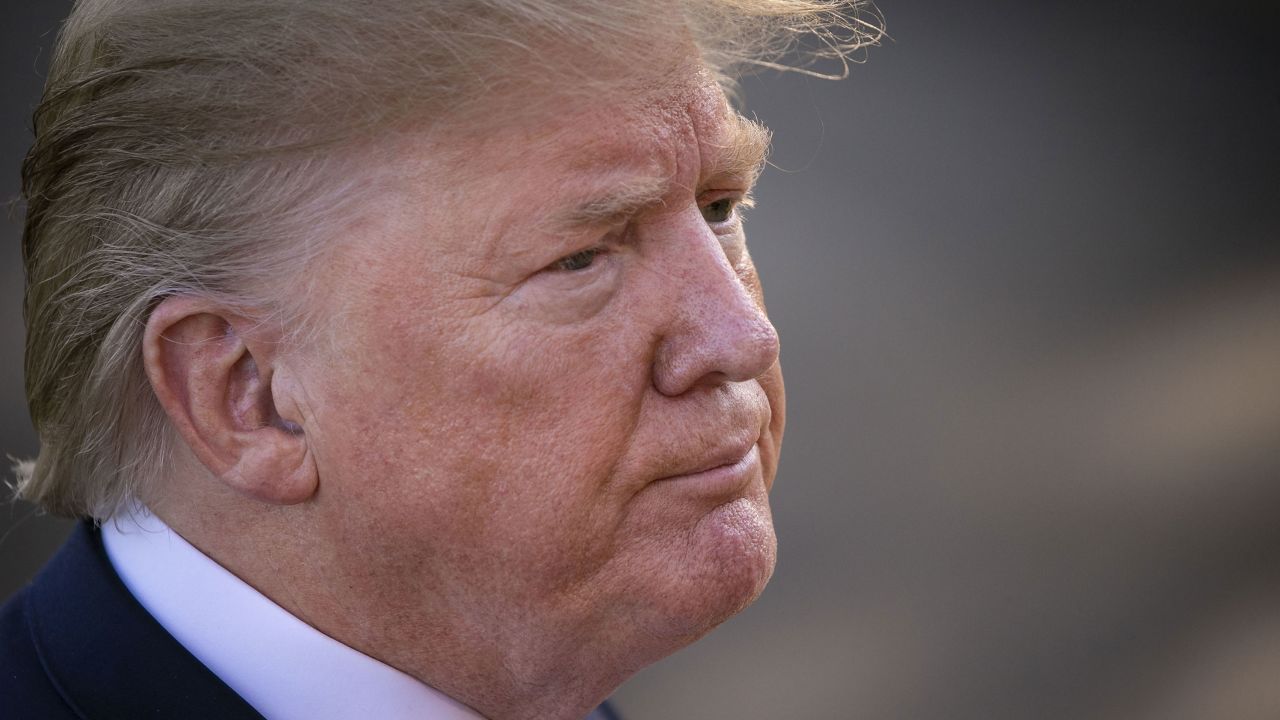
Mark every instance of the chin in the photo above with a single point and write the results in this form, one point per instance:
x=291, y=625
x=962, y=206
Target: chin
x=726, y=566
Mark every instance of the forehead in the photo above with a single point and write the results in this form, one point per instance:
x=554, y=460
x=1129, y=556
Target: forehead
x=661, y=128
x=520, y=182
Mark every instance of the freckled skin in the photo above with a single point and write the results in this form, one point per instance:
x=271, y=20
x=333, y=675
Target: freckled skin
x=490, y=435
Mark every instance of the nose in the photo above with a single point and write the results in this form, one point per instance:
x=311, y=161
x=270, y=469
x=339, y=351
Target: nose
x=719, y=331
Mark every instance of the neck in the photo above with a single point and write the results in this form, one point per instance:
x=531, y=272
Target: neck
x=505, y=660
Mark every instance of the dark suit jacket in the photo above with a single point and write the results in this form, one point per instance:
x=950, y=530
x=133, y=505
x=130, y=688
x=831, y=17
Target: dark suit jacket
x=75, y=644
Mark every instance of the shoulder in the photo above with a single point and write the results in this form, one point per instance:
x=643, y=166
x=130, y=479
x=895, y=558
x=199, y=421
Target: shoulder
x=76, y=644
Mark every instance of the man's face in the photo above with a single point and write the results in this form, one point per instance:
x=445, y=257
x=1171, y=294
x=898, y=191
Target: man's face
x=550, y=403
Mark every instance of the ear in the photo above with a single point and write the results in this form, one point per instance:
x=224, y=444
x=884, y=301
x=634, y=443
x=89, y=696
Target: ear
x=220, y=378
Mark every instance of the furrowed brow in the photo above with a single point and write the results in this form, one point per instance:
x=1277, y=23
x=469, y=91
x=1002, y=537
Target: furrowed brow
x=618, y=203
x=742, y=157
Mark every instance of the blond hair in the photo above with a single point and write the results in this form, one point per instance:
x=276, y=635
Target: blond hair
x=191, y=146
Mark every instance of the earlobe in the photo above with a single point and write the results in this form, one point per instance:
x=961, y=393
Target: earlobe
x=214, y=373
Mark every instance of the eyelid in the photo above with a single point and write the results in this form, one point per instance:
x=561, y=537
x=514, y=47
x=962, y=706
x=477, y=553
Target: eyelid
x=741, y=198
x=604, y=245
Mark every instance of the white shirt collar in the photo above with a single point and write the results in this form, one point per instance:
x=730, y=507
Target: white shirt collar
x=284, y=668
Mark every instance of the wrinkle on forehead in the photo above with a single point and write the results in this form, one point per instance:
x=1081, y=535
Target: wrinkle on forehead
x=636, y=166
x=740, y=157
x=618, y=127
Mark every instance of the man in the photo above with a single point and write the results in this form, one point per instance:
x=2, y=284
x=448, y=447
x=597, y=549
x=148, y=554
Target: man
x=409, y=354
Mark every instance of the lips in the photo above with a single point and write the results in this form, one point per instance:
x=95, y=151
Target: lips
x=719, y=475
x=728, y=456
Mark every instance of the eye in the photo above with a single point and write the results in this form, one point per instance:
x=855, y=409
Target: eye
x=720, y=211
x=578, y=261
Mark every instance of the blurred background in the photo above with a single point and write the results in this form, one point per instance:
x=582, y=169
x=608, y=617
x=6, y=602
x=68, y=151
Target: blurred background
x=1026, y=266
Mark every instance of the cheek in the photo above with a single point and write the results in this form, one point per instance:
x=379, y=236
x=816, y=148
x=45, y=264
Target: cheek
x=548, y=386
x=508, y=438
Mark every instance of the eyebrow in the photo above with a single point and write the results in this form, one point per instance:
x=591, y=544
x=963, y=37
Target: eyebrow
x=745, y=154
x=742, y=157
x=623, y=200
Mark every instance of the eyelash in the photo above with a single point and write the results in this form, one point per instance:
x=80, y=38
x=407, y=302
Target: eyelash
x=569, y=263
